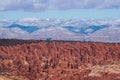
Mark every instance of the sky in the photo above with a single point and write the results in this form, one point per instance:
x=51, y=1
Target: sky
x=63, y=9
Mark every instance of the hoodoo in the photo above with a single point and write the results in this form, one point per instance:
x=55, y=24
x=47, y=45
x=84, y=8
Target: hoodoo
x=59, y=60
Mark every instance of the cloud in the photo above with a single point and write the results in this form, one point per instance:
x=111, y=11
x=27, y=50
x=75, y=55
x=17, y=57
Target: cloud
x=41, y=5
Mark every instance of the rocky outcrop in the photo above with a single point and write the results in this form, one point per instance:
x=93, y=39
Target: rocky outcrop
x=61, y=60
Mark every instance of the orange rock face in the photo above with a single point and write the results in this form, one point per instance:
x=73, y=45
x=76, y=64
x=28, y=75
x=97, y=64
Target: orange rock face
x=61, y=60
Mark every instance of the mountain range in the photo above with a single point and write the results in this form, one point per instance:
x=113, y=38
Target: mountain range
x=61, y=29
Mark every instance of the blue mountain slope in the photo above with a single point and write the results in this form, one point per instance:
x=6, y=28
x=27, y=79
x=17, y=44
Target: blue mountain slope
x=82, y=30
x=29, y=29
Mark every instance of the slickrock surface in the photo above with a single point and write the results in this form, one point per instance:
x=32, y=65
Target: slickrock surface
x=59, y=60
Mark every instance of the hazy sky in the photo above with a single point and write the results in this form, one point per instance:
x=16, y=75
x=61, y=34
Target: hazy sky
x=97, y=9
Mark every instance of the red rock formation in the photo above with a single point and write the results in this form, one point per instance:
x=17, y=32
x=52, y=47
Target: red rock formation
x=59, y=60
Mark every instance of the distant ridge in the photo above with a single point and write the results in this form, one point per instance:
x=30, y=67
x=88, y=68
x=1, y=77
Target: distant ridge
x=13, y=42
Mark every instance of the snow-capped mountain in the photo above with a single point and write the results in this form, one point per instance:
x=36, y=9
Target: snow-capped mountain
x=60, y=29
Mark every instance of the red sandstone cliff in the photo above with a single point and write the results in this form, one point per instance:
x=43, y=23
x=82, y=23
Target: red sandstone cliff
x=60, y=60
